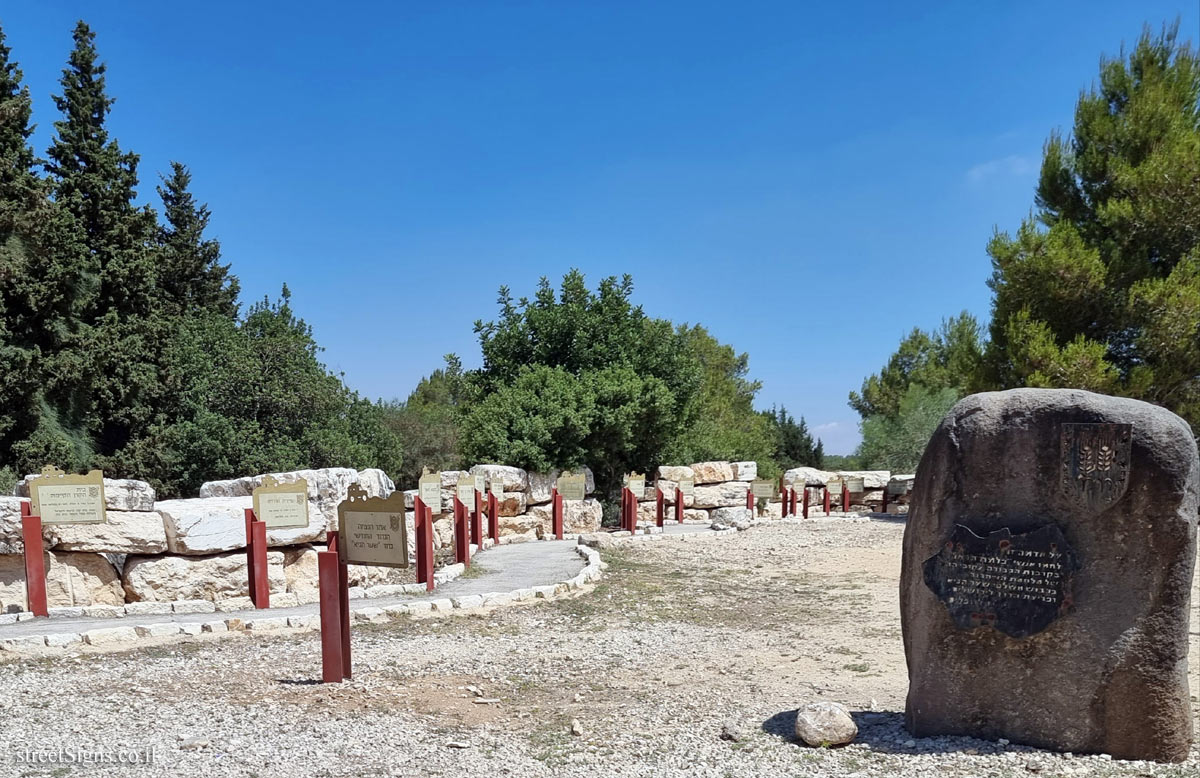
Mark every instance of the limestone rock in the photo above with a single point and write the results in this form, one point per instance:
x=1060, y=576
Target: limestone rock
x=300, y=572
x=745, y=471
x=1104, y=666
x=810, y=476
x=725, y=495
x=712, y=472
x=120, y=494
x=72, y=579
x=696, y=514
x=10, y=526
x=217, y=577
x=675, y=473
x=326, y=488
x=730, y=516
x=579, y=516
x=542, y=484
x=511, y=504
x=825, y=724
x=210, y=525
x=528, y=526
x=872, y=479
x=126, y=532
x=514, y=479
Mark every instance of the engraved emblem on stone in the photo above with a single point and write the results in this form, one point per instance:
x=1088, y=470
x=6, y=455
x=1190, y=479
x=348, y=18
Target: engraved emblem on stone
x=1095, y=462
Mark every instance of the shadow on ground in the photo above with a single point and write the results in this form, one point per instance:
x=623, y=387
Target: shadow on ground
x=881, y=731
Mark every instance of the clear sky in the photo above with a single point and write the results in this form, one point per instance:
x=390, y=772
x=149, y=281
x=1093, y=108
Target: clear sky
x=809, y=181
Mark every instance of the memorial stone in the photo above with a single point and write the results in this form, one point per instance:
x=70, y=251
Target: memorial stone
x=1047, y=565
x=429, y=489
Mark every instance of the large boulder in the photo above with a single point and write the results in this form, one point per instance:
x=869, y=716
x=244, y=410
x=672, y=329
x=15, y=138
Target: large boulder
x=541, y=485
x=675, y=473
x=10, y=526
x=514, y=479
x=1047, y=564
x=823, y=724
x=326, y=488
x=126, y=532
x=745, y=471
x=579, y=516
x=872, y=479
x=712, y=472
x=209, y=525
x=511, y=504
x=217, y=577
x=301, y=578
x=72, y=579
x=807, y=476
x=726, y=495
x=120, y=494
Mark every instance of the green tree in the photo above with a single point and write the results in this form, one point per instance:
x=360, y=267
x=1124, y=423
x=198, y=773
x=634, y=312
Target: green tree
x=947, y=358
x=1100, y=287
x=190, y=274
x=897, y=442
x=795, y=446
x=427, y=423
x=580, y=377
x=724, y=424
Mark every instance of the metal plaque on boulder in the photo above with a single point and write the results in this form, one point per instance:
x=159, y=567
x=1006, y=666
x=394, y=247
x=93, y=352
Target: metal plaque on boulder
x=763, y=490
x=466, y=489
x=897, y=488
x=687, y=487
x=372, y=530
x=572, y=486
x=834, y=486
x=1017, y=584
x=497, y=488
x=429, y=489
x=856, y=484
x=1095, y=462
x=68, y=499
x=281, y=505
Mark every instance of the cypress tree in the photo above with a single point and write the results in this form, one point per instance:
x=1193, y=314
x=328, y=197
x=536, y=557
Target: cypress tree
x=191, y=278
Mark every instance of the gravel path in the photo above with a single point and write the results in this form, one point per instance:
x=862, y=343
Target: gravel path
x=688, y=659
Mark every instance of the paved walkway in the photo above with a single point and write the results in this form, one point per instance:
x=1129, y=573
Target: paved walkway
x=504, y=569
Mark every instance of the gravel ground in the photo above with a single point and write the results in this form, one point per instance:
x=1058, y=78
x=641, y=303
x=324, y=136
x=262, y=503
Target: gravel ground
x=688, y=659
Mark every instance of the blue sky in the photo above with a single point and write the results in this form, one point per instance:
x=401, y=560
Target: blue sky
x=809, y=182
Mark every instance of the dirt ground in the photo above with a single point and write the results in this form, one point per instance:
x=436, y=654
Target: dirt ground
x=688, y=658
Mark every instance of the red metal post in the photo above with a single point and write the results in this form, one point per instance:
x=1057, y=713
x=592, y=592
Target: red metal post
x=462, y=548
x=826, y=500
x=845, y=498
x=750, y=500
x=786, y=501
x=261, y=593
x=678, y=505
x=806, y=501
x=558, y=517
x=428, y=544
x=884, y=498
x=658, y=506
x=250, y=552
x=477, y=525
x=493, y=517
x=423, y=519
x=332, y=664
x=35, y=562
x=334, y=544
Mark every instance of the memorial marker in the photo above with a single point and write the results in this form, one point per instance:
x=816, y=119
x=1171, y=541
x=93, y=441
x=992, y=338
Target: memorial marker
x=481, y=483
x=466, y=490
x=636, y=483
x=763, y=490
x=687, y=487
x=429, y=488
x=60, y=498
x=281, y=505
x=572, y=486
x=373, y=530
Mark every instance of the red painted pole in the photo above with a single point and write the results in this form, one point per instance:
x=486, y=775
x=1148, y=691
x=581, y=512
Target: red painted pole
x=428, y=544
x=750, y=501
x=332, y=665
x=35, y=562
x=250, y=552
x=658, y=506
x=477, y=525
x=334, y=544
x=558, y=515
x=262, y=592
x=423, y=519
x=462, y=548
x=786, y=501
x=806, y=501
x=845, y=498
x=884, y=498
x=493, y=517
x=678, y=505
x=826, y=500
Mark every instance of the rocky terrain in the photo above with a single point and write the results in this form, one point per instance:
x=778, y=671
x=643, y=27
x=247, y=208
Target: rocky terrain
x=686, y=659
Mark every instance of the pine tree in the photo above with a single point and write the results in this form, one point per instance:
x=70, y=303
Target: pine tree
x=191, y=278
x=95, y=181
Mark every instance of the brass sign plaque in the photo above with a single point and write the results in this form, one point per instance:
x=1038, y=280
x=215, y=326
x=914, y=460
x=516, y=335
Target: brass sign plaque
x=481, y=483
x=763, y=490
x=572, y=486
x=636, y=483
x=1095, y=463
x=429, y=489
x=687, y=487
x=466, y=490
x=68, y=499
x=372, y=530
x=497, y=488
x=834, y=486
x=856, y=484
x=282, y=505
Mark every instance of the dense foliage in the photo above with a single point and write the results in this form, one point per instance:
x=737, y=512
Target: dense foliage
x=120, y=336
x=1100, y=287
